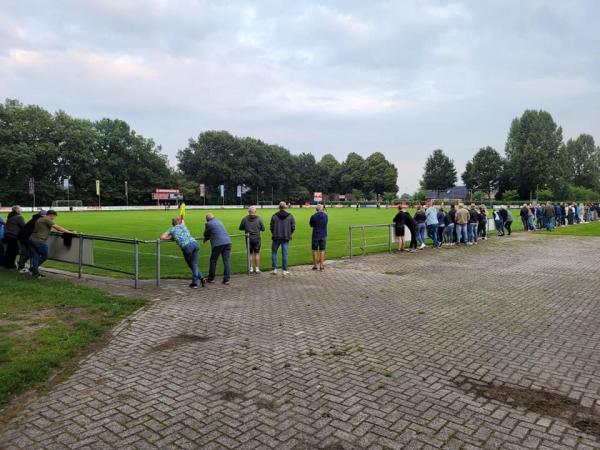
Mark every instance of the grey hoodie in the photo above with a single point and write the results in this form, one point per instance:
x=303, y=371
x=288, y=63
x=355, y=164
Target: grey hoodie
x=282, y=226
x=252, y=225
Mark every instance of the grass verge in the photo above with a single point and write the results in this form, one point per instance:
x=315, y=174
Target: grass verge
x=47, y=324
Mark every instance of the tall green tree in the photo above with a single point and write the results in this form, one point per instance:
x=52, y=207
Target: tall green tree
x=581, y=159
x=352, y=173
x=381, y=175
x=484, y=171
x=439, y=173
x=532, y=152
x=329, y=172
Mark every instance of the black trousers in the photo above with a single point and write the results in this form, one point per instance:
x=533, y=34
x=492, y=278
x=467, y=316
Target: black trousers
x=507, y=225
x=12, y=250
x=413, y=237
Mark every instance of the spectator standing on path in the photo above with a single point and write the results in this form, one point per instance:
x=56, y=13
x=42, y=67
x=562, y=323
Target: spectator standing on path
x=420, y=219
x=449, y=236
x=509, y=220
x=38, y=240
x=24, y=246
x=473, y=224
x=523, y=213
x=482, y=222
x=498, y=223
x=399, y=227
x=14, y=225
x=558, y=215
x=253, y=226
x=539, y=216
x=220, y=244
x=189, y=247
x=441, y=217
x=318, y=222
x=410, y=223
x=282, y=227
x=549, y=214
x=452, y=215
x=432, y=225
x=462, y=221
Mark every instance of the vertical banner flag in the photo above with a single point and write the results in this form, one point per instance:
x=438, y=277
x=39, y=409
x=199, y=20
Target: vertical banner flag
x=66, y=184
x=98, y=187
x=239, y=190
x=202, y=190
x=126, y=189
x=222, y=190
x=31, y=186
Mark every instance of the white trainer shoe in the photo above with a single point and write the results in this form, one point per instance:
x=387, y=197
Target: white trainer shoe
x=286, y=272
x=274, y=272
x=257, y=270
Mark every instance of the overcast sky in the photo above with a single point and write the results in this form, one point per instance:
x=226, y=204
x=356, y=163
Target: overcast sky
x=400, y=77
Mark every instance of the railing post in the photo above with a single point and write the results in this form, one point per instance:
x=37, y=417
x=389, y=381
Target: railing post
x=80, y=258
x=136, y=263
x=350, y=233
x=158, y=262
x=248, y=256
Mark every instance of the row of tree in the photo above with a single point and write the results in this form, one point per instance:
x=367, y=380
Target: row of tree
x=271, y=171
x=53, y=147
x=537, y=163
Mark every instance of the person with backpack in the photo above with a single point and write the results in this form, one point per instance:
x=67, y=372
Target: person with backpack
x=38, y=240
x=24, y=247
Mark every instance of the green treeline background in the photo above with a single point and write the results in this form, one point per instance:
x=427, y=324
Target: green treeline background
x=49, y=147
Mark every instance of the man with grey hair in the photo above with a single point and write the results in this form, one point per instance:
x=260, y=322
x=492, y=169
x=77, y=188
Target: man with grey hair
x=282, y=227
x=220, y=243
x=189, y=247
x=253, y=225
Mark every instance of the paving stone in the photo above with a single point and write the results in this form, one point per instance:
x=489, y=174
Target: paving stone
x=367, y=354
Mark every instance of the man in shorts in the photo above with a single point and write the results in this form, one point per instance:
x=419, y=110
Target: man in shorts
x=318, y=222
x=253, y=226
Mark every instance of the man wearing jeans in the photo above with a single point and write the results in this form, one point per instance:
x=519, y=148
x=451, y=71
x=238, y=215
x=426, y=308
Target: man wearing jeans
x=283, y=226
x=220, y=243
x=37, y=240
x=473, y=224
x=189, y=247
x=462, y=219
x=432, y=225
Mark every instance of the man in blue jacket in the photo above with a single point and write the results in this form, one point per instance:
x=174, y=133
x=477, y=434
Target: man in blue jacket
x=318, y=222
x=220, y=243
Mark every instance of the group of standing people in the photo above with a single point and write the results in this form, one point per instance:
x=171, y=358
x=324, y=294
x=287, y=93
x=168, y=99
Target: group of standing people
x=282, y=227
x=455, y=226
x=28, y=240
x=550, y=215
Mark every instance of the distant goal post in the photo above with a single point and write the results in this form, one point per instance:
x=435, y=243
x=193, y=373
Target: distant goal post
x=67, y=205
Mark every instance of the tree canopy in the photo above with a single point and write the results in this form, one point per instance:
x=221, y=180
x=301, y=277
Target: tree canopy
x=440, y=172
x=484, y=171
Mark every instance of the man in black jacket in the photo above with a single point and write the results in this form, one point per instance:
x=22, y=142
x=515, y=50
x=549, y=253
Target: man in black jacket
x=14, y=224
x=283, y=226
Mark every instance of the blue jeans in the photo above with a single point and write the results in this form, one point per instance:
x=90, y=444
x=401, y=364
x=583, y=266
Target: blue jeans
x=499, y=227
x=39, y=254
x=421, y=233
x=225, y=252
x=190, y=254
x=284, y=253
x=461, y=232
x=432, y=230
x=549, y=223
x=449, y=233
x=472, y=232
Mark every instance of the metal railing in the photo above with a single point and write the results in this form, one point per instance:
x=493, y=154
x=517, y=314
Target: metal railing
x=361, y=232
x=134, y=250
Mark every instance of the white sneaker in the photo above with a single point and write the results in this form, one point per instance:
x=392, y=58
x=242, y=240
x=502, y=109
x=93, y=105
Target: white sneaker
x=286, y=272
x=274, y=272
x=24, y=270
x=257, y=270
x=422, y=246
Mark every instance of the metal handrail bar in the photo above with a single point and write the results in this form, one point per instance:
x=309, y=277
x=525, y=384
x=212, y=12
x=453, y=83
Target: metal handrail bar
x=360, y=227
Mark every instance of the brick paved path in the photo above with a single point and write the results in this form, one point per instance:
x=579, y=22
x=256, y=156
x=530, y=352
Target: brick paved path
x=383, y=351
